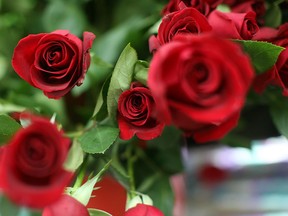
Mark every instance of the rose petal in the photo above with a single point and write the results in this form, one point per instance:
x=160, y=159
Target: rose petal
x=66, y=205
x=23, y=56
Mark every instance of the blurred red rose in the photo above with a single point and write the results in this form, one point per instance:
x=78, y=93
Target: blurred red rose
x=66, y=205
x=53, y=62
x=199, y=84
x=211, y=175
x=278, y=74
x=185, y=21
x=234, y=25
x=31, y=167
x=143, y=210
x=203, y=6
x=136, y=114
x=110, y=197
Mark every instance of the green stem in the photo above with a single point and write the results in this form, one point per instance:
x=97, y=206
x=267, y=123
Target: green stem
x=148, y=161
x=130, y=168
x=81, y=173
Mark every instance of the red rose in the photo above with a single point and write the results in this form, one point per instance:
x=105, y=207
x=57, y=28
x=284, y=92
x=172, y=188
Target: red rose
x=143, y=210
x=67, y=205
x=31, y=169
x=234, y=25
x=278, y=74
x=199, y=83
x=110, y=191
x=203, y=6
x=53, y=62
x=136, y=114
x=185, y=21
x=258, y=6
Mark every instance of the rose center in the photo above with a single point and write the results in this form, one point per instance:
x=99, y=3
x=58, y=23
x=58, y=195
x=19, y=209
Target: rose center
x=54, y=54
x=137, y=101
x=199, y=73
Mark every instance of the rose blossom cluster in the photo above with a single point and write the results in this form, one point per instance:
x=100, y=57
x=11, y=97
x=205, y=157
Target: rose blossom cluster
x=198, y=80
x=198, y=77
x=55, y=62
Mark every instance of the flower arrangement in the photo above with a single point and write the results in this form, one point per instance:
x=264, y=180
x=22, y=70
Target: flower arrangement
x=74, y=113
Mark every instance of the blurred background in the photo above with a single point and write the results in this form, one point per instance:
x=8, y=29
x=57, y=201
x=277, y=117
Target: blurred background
x=240, y=179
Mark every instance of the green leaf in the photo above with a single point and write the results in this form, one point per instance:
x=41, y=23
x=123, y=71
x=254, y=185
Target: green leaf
x=9, y=209
x=100, y=111
x=141, y=72
x=280, y=116
x=263, y=54
x=8, y=127
x=155, y=27
x=273, y=16
x=121, y=78
x=83, y=193
x=98, y=139
x=97, y=212
x=75, y=157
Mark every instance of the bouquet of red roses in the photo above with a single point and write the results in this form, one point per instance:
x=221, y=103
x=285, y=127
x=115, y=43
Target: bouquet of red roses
x=74, y=114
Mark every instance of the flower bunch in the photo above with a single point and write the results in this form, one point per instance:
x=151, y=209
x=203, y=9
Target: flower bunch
x=126, y=120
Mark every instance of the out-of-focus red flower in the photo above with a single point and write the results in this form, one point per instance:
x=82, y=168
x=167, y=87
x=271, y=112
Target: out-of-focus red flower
x=31, y=166
x=110, y=197
x=211, y=175
x=66, y=205
x=143, y=210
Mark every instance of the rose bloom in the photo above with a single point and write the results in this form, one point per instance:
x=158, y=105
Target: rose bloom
x=143, y=210
x=53, y=62
x=244, y=6
x=203, y=6
x=199, y=84
x=185, y=21
x=31, y=166
x=136, y=114
x=66, y=205
x=278, y=74
x=234, y=25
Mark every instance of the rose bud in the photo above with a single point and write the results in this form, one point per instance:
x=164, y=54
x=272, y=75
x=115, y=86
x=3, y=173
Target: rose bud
x=143, y=210
x=136, y=114
x=234, y=25
x=53, y=62
x=66, y=205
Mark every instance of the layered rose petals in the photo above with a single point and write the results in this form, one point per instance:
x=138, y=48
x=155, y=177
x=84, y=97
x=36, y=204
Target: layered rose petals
x=143, y=210
x=31, y=167
x=196, y=88
x=234, y=25
x=53, y=62
x=66, y=205
x=204, y=6
x=185, y=21
x=136, y=114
